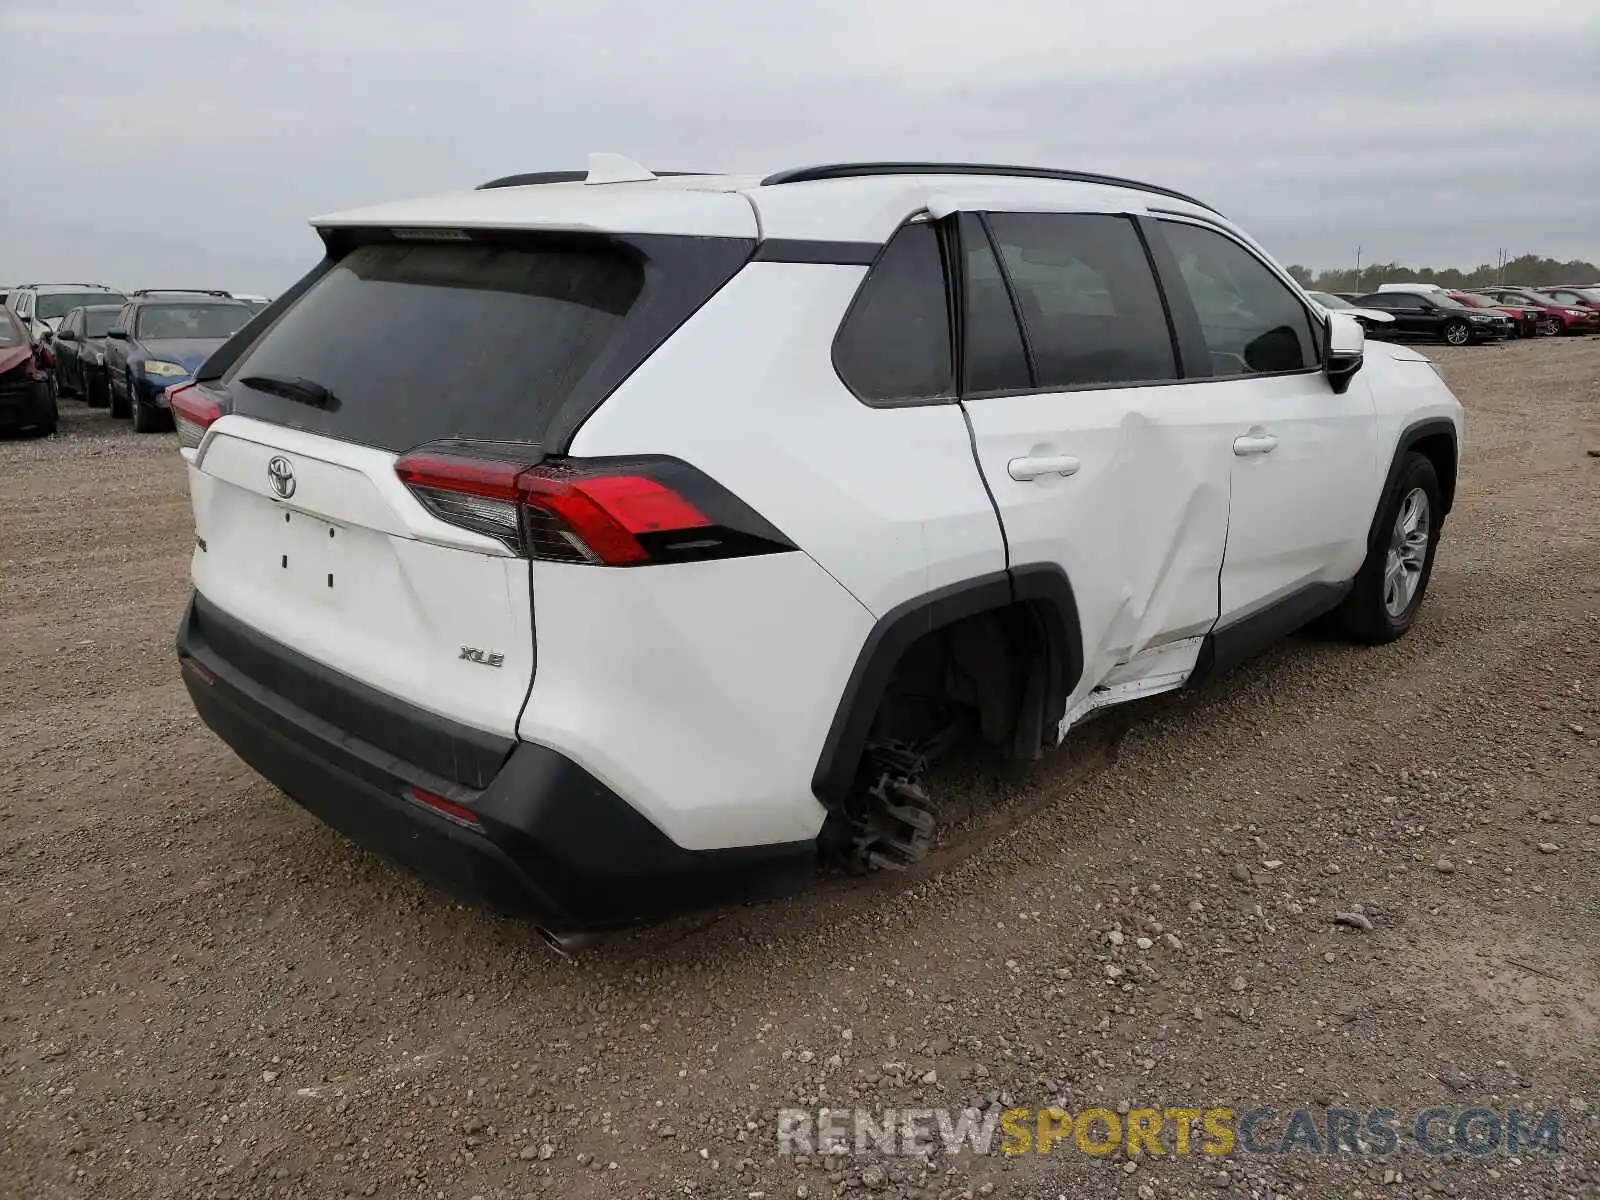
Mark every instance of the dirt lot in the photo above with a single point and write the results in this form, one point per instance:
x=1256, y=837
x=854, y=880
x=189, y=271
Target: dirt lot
x=207, y=993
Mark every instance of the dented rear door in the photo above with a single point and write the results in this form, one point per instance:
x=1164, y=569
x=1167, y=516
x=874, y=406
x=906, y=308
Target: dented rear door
x=1099, y=458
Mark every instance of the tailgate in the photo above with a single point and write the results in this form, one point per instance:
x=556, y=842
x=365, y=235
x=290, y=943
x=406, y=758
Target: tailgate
x=350, y=571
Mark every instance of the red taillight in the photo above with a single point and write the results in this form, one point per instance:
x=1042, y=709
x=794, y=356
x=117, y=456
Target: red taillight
x=458, y=814
x=192, y=413
x=583, y=512
x=606, y=511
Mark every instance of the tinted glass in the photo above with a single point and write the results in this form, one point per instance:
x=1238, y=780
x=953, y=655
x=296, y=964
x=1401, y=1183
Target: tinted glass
x=11, y=335
x=895, y=342
x=98, y=320
x=427, y=341
x=993, y=357
x=158, y=322
x=59, y=304
x=1251, y=320
x=1088, y=298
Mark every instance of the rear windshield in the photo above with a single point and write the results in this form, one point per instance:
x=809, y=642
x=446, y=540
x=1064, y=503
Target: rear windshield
x=409, y=343
x=58, y=304
x=158, y=322
x=96, y=321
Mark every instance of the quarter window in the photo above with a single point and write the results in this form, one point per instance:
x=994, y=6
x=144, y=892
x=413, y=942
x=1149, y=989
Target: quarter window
x=1252, y=322
x=894, y=345
x=1088, y=299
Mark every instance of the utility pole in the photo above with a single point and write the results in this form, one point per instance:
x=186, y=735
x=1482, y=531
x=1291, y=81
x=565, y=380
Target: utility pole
x=1358, y=270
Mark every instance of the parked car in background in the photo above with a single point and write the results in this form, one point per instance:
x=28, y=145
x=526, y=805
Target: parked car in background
x=156, y=343
x=79, y=348
x=1524, y=320
x=1574, y=297
x=27, y=399
x=1372, y=319
x=1558, y=318
x=42, y=305
x=256, y=303
x=1430, y=314
x=1409, y=288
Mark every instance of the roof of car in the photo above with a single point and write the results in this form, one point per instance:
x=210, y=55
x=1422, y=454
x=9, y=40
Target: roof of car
x=851, y=202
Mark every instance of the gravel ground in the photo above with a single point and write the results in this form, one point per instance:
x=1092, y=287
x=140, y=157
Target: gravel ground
x=208, y=993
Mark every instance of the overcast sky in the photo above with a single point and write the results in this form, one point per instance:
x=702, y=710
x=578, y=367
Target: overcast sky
x=186, y=142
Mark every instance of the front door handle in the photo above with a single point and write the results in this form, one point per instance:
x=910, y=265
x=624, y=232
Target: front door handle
x=1025, y=469
x=1257, y=441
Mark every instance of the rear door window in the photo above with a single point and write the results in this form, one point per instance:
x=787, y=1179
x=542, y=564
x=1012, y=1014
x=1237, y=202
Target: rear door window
x=1088, y=299
x=894, y=345
x=410, y=343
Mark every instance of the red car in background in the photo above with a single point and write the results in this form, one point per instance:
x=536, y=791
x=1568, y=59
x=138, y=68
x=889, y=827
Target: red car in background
x=1558, y=317
x=1524, y=319
x=27, y=401
x=1574, y=297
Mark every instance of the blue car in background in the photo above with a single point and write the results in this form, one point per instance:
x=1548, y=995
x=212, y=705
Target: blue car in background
x=157, y=343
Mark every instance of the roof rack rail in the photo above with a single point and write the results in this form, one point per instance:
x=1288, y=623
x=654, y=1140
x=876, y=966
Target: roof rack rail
x=536, y=177
x=857, y=170
x=182, y=292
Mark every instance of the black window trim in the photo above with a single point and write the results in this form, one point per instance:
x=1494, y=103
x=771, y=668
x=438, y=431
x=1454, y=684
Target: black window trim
x=1017, y=315
x=1319, y=326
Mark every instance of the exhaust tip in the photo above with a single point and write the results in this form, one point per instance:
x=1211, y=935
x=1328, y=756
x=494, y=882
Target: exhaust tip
x=567, y=945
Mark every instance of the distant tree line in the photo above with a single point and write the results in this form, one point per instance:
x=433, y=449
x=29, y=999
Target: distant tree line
x=1528, y=269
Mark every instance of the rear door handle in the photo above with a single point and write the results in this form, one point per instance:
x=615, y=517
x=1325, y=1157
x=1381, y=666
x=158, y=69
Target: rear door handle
x=1025, y=469
x=1257, y=441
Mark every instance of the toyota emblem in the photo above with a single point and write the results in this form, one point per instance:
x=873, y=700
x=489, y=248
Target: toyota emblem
x=280, y=474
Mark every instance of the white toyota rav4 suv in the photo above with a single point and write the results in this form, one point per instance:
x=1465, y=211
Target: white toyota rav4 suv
x=605, y=546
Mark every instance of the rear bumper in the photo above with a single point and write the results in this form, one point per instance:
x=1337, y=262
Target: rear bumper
x=552, y=842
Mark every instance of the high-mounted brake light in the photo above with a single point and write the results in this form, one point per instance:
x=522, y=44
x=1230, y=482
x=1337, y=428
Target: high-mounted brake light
x=609, y=512
x=193, y=412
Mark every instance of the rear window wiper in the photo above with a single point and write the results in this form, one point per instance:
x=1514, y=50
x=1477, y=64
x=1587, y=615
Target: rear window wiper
x=306, y=391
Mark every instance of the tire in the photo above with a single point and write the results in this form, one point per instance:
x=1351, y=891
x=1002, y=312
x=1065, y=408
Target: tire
x=1456, y=333
x=146, y=419
x=119, y=408
x=1550, y=327
x=1390, y=586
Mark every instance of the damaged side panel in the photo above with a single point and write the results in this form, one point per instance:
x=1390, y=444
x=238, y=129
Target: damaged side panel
x=1138, y=520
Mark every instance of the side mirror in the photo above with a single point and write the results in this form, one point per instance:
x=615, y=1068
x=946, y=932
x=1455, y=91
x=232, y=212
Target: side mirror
x=120, y=335
x=46, y=334
x=65, y=335
x=1344, y=350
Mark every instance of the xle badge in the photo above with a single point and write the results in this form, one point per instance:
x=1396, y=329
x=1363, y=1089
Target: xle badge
x=473, y=654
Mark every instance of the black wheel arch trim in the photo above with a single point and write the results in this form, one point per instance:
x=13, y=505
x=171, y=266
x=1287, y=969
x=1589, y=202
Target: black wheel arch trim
x=1044, y=585
x=1414, y=433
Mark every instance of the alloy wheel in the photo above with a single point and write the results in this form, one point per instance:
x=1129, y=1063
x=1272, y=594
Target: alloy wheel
x=1408, y=553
